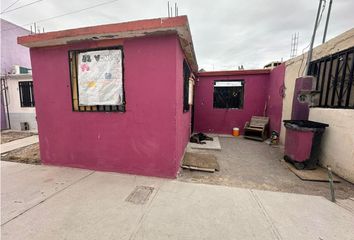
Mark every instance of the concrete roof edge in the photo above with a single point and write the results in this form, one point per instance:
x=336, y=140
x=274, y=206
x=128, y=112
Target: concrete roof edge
x=146, y=24
x=234, y=72
x=194, y=64
x=122, y=30
x=18, y=76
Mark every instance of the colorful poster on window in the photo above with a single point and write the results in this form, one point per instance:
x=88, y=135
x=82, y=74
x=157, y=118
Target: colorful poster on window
x=100, y=77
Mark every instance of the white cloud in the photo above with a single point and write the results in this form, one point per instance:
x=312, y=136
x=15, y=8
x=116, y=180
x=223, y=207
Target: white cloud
x=226, y=33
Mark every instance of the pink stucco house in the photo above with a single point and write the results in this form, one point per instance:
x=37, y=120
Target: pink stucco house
x=125, y=97
x=260, y=95
x=146, y=130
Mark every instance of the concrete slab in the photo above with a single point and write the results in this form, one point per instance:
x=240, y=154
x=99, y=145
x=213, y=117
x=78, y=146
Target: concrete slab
x=9, y=168
x=192, y=211
x=297, y=216
x=211, y=145
x=23, y=142
x=94, y=207
x=23, y=186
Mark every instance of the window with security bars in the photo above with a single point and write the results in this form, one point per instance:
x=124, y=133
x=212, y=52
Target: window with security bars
x=228, y=94
x=186, y=76
x=26, y=93
x=334, y=79
x=97, y=79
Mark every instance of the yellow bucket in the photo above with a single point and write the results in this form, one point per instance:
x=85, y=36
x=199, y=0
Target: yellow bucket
x=235, y=132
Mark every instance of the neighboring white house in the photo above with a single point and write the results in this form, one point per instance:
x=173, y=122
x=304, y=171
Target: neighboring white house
x=11, y=54
x=20, y=101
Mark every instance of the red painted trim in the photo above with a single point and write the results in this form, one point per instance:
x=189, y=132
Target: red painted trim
x=147, y=24
x=234, y=72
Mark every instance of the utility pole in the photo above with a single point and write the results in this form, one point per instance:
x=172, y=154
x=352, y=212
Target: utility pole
x=327, y=21
x=309, y=55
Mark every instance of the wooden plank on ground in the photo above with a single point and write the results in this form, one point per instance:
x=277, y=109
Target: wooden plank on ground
x=200, y=161
x=199, y=168
x=347, y=204
x=317, y=175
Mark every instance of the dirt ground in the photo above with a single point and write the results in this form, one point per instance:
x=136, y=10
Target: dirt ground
x=256, y=165
x=8, y=136
x=28, y=154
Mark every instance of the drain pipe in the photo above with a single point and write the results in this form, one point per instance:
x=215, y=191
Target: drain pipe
x=309, y=55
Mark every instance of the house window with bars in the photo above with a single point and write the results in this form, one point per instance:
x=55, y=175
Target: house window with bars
x=228, y=94
x=26, y=93
x=186, y=76
x=334, y=79
x=97, y=79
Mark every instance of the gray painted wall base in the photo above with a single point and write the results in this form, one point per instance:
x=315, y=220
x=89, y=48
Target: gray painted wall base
x=17, y=118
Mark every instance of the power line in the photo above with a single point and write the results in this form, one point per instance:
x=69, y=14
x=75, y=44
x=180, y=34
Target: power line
x=76, y=11
x=11, y=5
x=62, y=15
x=26, y=5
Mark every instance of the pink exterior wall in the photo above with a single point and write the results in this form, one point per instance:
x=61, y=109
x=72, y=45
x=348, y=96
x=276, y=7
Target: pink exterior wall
x=183, y=119
x=148, y=139
x=301, y=110
x=208, y=119
x=275, y=98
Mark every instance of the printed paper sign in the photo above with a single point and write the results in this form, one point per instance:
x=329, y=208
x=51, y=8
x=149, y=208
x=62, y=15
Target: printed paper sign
x=100, y=78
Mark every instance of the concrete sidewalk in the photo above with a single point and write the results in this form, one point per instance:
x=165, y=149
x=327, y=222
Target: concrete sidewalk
x=23, y=142
x=43, y=202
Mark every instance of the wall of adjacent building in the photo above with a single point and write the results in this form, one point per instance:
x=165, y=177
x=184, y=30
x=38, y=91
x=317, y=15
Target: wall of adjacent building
x=295, y=68
x=217, y=120
x=263, y=96
x=11, y=52
x=275, y=97
x=338, y=140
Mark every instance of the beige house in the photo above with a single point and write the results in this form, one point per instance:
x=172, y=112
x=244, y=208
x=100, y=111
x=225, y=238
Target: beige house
x=338, y=140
